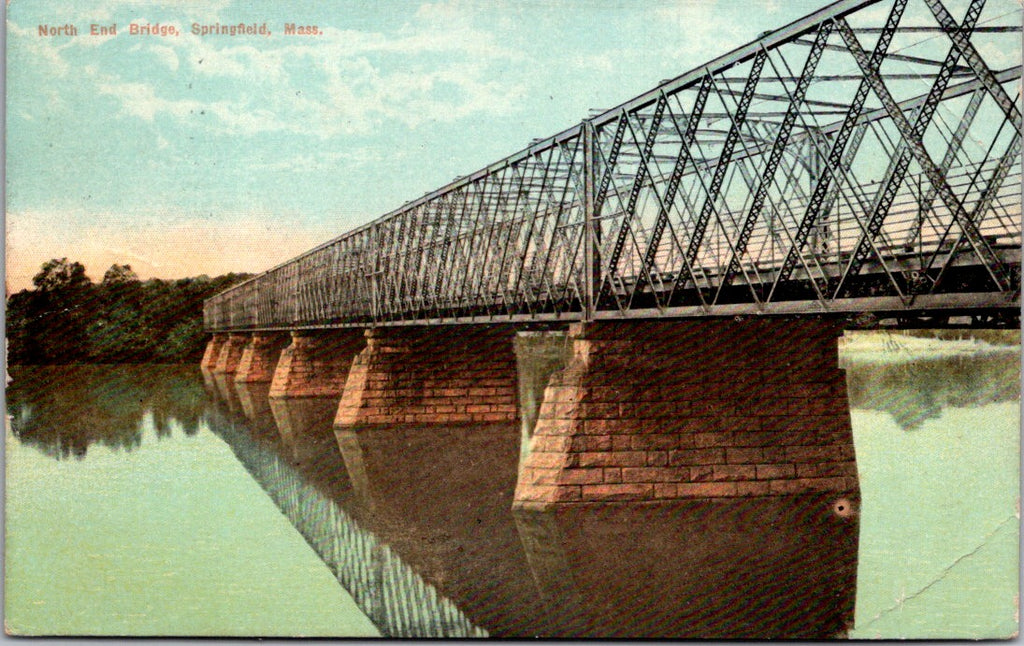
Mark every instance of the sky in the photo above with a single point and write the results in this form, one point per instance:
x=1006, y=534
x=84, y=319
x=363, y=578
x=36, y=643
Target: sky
x=189, y=154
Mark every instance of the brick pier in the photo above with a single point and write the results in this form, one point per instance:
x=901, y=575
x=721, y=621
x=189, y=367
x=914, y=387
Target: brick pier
x=230, y=354
x=259, y=357
x=316, y=364
x=693, y=409
x=641, y=411
x=212, y=352
x=431, y=375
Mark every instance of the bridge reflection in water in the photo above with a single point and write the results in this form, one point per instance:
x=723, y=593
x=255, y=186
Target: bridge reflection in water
x=398, y=601
x=416, y=523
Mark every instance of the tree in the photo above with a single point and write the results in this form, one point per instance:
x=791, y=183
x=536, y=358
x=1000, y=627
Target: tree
x=119, y=275
x=66, y=304
x=68, y=319
x=25, y=336
x=59, y=275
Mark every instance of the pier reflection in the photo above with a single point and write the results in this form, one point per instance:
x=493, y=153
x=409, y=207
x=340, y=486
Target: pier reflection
x=416, y=523
x=305, y=428
x=304, y=475
x=763, y=568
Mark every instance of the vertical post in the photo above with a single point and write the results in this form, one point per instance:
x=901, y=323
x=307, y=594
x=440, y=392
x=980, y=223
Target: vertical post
x=813, y=175
x=375, y=270
x=817, y=144
x=591, y=257
x=293, y=292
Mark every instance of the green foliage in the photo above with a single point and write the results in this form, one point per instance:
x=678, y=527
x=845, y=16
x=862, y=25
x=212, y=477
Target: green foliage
x=68, y=319
x=120, y=274
x=61, y=276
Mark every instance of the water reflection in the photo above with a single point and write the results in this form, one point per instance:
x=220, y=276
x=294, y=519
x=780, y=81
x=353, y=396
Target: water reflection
x=781, y=567
x=63, y=410
x=415, y=521
x=226, y=393
x=437, y=503
x=305, y=429
x=301, y=475
x=441, y=497
x=916, y=391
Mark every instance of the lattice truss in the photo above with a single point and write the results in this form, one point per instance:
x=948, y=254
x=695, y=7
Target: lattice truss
x=868, y=151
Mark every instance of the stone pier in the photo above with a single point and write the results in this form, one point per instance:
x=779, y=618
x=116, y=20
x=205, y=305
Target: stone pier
x=259, y=357
x=712, y=408
x=230, y=354
x=212, y=353
x=316, y=364
x=431, y=375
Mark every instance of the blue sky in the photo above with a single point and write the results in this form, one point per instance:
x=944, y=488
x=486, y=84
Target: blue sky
x=188, y=155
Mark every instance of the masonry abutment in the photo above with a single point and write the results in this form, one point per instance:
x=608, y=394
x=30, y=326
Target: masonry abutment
x=231, y=354
x=431, y=375
x=212, y=352
x=316, y=364
x=259, y=357
x=712, y=408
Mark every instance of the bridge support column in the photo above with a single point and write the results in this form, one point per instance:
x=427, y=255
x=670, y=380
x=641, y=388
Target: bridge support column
x=316, y=364
x=212, y=352
x=693, y=409
x=259, y=357
x=231, y=354
x=434, y=375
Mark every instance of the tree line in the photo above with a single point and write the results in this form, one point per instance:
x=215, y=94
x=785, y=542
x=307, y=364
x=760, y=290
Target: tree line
x=67, y=318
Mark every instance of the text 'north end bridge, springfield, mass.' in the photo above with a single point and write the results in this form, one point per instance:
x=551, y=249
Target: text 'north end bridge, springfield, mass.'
x=686, y=260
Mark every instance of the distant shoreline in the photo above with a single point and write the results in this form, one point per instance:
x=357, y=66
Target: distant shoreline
x=915, y=345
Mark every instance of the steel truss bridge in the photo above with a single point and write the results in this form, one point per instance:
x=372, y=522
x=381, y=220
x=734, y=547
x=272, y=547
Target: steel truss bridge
x=865, y=158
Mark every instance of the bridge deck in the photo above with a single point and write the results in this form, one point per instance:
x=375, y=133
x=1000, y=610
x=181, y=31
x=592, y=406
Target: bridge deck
x=864, y=158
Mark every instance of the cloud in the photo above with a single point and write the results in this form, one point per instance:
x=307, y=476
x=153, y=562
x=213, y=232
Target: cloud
x=319, y=160
x=140, y=100
x=718, y=26
x=167, y=55
x=342, y=83
x=44, y=51
x=602, y=63
x=345, y=82
x=229, y=117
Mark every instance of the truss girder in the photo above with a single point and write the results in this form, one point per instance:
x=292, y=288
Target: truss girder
x=778, y=149
x=807, y=171
x=955, y=145
x=835, y=155
x=640, y=177
x=682, y=160
x=700, y=227
x=900, y=162
x=915, y=144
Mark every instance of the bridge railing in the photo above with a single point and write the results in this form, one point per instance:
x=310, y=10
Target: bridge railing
x=866, y=156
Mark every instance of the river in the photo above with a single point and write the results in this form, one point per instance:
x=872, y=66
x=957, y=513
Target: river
x=143, y=500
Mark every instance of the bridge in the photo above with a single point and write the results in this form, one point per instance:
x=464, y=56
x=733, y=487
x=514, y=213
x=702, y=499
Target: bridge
x=704, y=243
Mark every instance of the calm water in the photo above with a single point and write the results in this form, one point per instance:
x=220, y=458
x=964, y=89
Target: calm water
x=143, y=500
